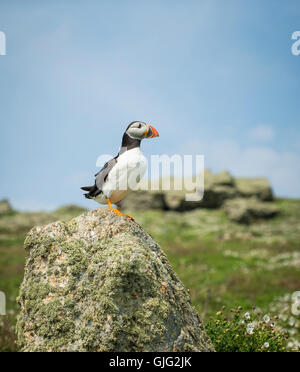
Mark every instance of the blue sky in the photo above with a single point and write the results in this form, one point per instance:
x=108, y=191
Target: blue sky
x=214, y=77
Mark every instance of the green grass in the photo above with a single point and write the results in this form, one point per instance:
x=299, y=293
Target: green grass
x=220, y=262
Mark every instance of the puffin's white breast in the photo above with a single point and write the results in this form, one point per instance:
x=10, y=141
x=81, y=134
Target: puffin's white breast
x=125, y=175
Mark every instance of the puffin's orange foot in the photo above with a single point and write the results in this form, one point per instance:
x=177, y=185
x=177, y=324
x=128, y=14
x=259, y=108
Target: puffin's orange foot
x=116, y=211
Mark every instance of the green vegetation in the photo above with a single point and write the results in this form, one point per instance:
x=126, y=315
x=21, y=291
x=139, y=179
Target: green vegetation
x=220, y=262
x=245, y=332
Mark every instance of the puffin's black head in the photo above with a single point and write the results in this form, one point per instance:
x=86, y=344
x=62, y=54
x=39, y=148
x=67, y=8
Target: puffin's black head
x=139, y=130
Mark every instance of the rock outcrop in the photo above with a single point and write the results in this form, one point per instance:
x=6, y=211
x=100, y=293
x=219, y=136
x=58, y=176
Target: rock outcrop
x=247, y=210
x=143, y=200
x=101, y=283
x=218, y=188
x=223, y=178
x=258, y=187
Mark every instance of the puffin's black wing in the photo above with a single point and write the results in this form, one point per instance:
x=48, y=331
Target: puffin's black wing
x=103, y=174
x=101, y=177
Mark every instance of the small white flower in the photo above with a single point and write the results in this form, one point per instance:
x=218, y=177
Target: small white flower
x=266, y=318
x=266, y=345
x=250, y=328
x=247, y=316
x=59, y=252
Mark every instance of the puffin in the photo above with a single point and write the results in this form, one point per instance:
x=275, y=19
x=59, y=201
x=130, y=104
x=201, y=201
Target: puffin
x=122, y=173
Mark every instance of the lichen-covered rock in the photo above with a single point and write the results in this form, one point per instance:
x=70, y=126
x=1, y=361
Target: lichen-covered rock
x=258, y=187
x=247, y=210
x=5, y=207
x=101, y=283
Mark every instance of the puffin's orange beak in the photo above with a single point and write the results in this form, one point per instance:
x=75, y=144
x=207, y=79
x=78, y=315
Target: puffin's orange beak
x=152, y=132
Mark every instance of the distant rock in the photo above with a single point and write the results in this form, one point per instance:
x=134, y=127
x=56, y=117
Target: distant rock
x=213, y=198
x=218, y=188
x=175, y=201
x=143, y=200
x=247, y=210
x=259, y=187
x=5, y=207
x=215, y=195
x=223, y=178
x=101, y=283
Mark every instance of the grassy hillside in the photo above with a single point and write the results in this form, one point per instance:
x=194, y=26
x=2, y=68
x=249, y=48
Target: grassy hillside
x=220, y=262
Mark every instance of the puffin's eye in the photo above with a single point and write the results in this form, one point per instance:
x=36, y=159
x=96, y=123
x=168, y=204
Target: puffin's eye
x=140, y=126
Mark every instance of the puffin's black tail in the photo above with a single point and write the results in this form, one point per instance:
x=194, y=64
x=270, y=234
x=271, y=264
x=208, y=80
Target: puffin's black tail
x=87, y=188
x=91, y=191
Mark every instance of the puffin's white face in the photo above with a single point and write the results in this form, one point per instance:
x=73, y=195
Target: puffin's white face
x=139, y=130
